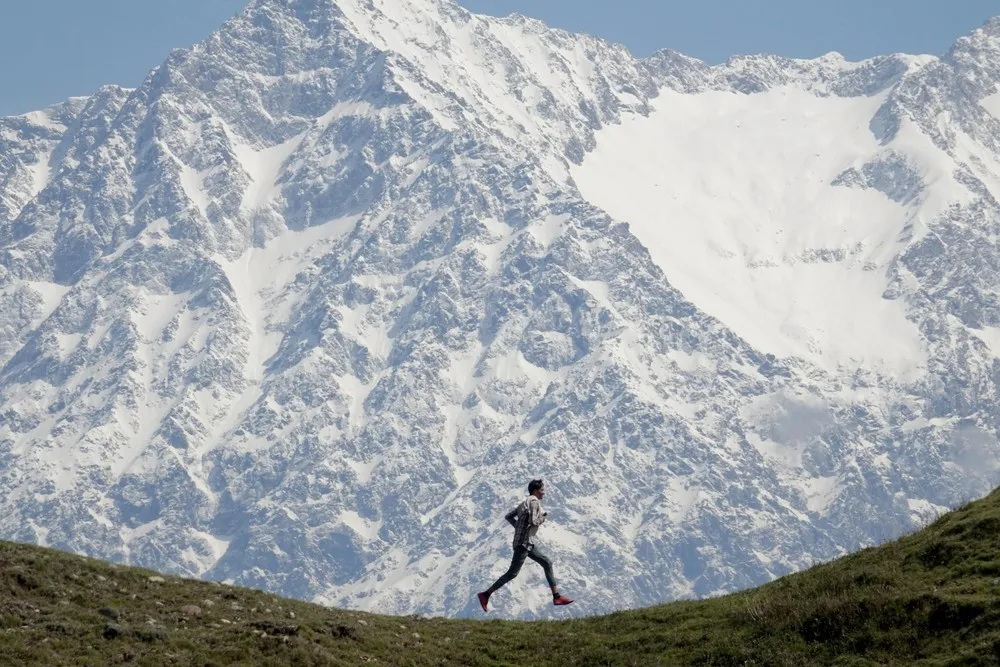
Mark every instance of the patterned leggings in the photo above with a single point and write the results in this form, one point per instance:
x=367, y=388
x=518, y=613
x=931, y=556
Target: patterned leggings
x=520, y=553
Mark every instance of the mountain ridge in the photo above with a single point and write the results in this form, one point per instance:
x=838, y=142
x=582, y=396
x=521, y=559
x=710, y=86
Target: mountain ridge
x=332, y=298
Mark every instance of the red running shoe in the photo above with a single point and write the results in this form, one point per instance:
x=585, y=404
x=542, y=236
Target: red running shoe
x=484, y=599
x=561, y=600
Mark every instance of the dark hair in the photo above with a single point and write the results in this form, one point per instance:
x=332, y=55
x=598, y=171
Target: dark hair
x=534, y=485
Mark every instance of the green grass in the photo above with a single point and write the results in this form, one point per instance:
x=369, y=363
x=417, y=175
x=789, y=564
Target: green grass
x=931, y=598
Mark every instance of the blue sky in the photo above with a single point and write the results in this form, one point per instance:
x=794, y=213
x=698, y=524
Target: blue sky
x=53, y=49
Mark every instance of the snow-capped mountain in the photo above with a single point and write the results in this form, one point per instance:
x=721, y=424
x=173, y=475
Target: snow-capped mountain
x=308, y=308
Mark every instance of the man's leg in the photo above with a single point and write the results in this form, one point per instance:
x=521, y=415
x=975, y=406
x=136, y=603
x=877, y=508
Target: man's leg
x=516, y=561
x=542, y=559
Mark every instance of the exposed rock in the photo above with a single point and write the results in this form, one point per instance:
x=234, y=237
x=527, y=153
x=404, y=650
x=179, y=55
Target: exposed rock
x=112, y=631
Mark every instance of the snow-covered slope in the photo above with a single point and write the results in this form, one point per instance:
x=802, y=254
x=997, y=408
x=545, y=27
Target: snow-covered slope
x=735, y=197
x=308, y=308
x=992, y=104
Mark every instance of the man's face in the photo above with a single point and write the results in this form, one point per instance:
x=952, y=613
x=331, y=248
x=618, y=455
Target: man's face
x=541, y=492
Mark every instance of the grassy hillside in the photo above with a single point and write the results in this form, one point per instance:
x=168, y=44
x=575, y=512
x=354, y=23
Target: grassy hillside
x=931, y=598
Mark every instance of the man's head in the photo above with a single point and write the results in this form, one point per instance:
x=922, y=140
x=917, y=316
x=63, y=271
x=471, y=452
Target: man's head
x=536, y=487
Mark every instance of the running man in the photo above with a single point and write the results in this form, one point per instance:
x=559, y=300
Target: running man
x=526, y=518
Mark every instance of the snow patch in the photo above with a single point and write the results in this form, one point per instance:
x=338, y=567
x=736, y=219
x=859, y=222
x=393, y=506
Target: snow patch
x=990, y=336
x=514, y=367
x=598, y=289
x=992, y=104
x=460, y=373
x=789, y=457
x=263, y=166
x=193, y=183
x=346, y=110
x=924, y=512
x=157, y=312
x=129, y=535
x=363, y=469
x=242, y=278
x=137, y=457
x=820, y=492
x=52, y=295
x=67, y=343
x=41, y=172
x=731, y=195
x=682, y=495
x=363, y=527
x=284, y=257
x=41, y=534
x=692, y=362
x=548, y=229
x=936, y=171
x=42, y=119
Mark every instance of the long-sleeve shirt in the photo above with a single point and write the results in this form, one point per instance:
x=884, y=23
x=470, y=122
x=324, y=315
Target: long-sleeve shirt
x=526, y=518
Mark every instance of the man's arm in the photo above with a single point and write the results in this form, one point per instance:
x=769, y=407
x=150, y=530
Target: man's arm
x=535, y=511
x=511, y=516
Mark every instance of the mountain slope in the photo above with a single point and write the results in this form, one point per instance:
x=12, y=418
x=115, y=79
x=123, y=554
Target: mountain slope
x=307, y=308
x=927, y=599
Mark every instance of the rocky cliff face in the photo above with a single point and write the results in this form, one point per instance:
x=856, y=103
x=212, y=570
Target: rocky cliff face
x=307, y=308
